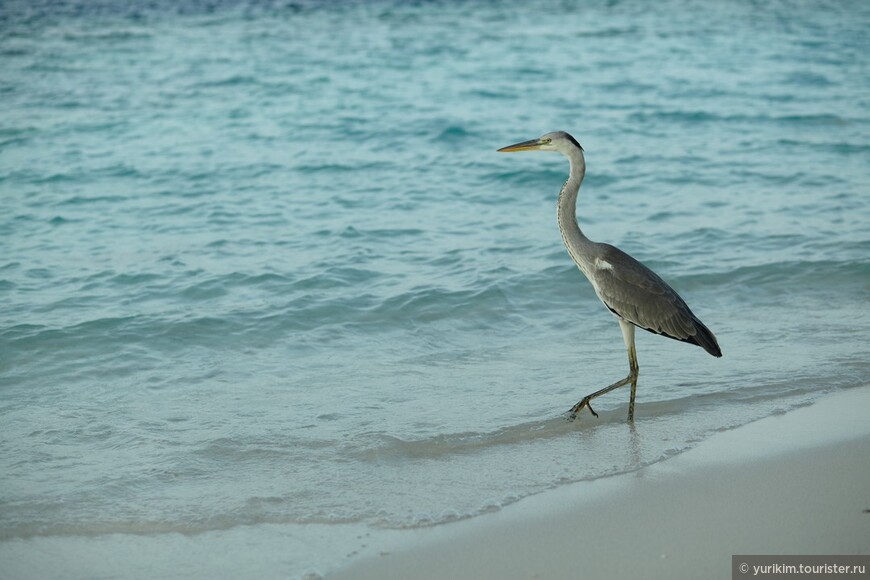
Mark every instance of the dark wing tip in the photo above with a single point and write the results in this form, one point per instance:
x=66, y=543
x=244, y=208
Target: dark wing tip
x=702, y=337
x=706, y=339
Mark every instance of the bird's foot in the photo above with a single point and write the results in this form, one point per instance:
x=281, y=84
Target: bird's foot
x=572, y=414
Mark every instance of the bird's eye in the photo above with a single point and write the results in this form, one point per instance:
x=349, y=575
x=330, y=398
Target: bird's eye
x=547, y=141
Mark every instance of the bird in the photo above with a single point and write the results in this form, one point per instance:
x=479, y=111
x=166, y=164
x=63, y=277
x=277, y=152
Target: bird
x=633, y=293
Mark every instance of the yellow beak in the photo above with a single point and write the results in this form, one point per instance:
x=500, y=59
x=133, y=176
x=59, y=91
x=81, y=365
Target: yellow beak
x=530, y=145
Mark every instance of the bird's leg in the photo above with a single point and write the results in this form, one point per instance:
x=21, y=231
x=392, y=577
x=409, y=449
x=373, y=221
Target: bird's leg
x=628, y=336
x=584, y=402
x=633, y=370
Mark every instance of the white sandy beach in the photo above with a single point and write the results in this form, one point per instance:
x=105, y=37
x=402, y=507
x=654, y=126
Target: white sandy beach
x=795, y=483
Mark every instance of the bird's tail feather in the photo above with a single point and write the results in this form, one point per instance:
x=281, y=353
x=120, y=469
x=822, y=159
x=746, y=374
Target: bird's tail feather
x=705, y=339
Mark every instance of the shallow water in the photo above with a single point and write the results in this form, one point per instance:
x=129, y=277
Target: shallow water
x=262, y=264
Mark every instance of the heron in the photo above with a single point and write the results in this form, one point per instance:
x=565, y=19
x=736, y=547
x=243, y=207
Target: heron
x=633, y=293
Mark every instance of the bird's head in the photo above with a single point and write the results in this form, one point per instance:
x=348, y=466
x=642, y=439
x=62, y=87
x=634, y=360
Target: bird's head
x=556, y=141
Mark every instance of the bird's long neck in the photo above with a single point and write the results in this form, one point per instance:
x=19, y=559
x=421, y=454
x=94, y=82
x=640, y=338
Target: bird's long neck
x=566, y=213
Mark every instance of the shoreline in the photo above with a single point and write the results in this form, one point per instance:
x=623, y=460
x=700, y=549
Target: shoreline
x=794, y=483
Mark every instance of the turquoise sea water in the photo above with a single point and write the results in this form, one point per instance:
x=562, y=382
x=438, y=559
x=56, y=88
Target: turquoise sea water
x=261, y=265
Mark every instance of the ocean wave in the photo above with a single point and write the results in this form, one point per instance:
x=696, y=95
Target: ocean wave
x=776, y=277
x=203, y=310
x=701, y=116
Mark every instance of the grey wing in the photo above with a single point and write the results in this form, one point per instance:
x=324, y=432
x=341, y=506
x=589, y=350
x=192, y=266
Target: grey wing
x=638, y=295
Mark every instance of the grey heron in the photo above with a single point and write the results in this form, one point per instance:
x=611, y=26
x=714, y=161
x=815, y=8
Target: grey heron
x=633, y=293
